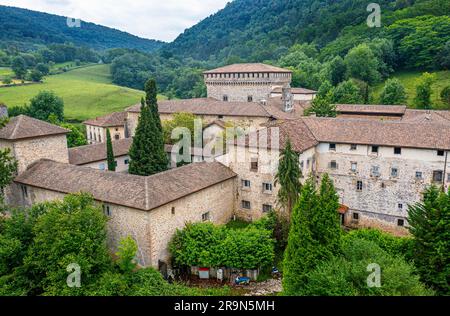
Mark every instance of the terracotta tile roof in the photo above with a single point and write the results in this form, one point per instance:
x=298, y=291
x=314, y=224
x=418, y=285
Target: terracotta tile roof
x=275, y=107
x=208, y=106
x=382, y=133
x=97, y=152
x=110, y=120
x=423, y=116
x=245, y=68
x=371, y=109
x=22, y=127
x=295, y=91
x=143, y=193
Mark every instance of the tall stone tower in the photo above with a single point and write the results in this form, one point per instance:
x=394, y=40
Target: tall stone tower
x=245, y=82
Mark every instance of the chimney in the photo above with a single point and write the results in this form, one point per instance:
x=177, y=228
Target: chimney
x=287, y=99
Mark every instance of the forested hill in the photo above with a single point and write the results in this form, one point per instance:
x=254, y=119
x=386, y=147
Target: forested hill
x=258, y=30
x=26, y=29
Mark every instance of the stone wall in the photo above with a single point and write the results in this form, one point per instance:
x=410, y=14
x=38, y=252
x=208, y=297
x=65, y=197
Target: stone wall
x=28, y=151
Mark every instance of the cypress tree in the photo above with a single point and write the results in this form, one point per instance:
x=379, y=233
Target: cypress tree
x=301, y=253
x=288, y=176
x=147, y=152
x=430, y=225
x=110, y=152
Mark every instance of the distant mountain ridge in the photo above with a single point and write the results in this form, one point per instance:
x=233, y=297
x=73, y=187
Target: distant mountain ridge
x=26, y=27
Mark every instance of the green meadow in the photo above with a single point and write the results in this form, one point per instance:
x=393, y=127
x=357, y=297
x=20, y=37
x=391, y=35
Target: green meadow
x=87, y=93
x=410, y=80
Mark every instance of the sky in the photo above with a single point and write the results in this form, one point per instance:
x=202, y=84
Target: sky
x=155, y=19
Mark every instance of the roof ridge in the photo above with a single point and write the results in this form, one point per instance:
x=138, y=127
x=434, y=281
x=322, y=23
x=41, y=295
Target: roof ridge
x=19, y=119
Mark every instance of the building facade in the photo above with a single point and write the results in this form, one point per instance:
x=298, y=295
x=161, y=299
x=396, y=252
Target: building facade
x=96, y=128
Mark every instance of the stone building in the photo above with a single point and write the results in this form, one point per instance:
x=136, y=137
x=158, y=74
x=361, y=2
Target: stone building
x=149, y=209
x=245, y=82
x=115, y=122
x=300, y=94
x=378, y=167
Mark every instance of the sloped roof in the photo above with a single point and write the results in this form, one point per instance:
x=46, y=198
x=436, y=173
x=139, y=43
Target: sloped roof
x=424, y=116
x=208, y=106
x=245, y=68
x=22, y=127
x=97, y=152
x=110, y=120
x=143, y=193
x=295, y=91
x=371, y=109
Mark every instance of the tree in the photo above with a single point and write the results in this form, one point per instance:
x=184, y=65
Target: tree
x=301, y=255
x=444, y=56
x=423, y=92
x=76, y=137
x=362, y=64
x=322, y=107
x=110, y=152
x=7, y=80
x=338, y=70
x=127, y=254
x=19, y=67
x=325, y=88
x=44, y=69
x=288, y=177
x=393, y=93
x=45, y=104
x=179, y=120
x=445, y=96
x=347, y=92
x=36, y=75
x=8, y=166
x=429, y=223
x=147, y=152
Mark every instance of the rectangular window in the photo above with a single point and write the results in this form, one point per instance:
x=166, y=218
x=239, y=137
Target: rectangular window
x=375, y=149
x=354, y=166
x=376, y=171
x=419, y=175
x=107, y=210
x=246, y=205
x=267, y=208
x=401, y=222
x=246, y=184
x=394, y=172
x=127, y=161
x=254, y=165
x=353, y=147
x=206, y=217
x=333, y=165
x=400, y=206
x=250, y=98
x=267, y=187
x=225, y=98
x=359, y=186
x=441, y=153
x=173, y=210
x=356, y=216
x=438, y=176
x=332, y=147
x=24, y=189
x=302, y=165
x=397, y=151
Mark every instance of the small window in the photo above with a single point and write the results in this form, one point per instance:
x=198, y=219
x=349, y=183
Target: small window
x=376, y=171
x=116, y=163
x=394, y=172
x=246, y=184
x=246, y=205
x=333, y=165
x=250, y=98
x=401, y=222
x=438, y=176
x=419, y=175
x=353, y=147
x=127, y=161
x=254, y=165
x=354, y=167
x=107, y=210
x=24, y=189
x=397, y=151
x=267, y=208
x=332, y=147
x=206, y=217
x=117, y=137
x=356, y=216
x=359, y=186
x=441, y=153
x=225, y=98
x=400, y=206
x=302, y=165
x=267, y=187
x=220, y=117
x=375, y=149
x=117, y=129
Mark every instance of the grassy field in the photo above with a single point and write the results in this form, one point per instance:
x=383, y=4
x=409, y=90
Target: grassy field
x=410, y=80
x=5, y=72
x=87, y=93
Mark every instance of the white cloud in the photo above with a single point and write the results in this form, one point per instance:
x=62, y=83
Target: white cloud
x=156, y=19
